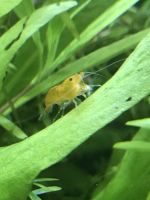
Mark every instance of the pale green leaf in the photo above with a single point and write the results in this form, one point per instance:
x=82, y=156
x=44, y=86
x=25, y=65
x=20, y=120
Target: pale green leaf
x=135, y=145
x=143, y=123
x=11, y=35
x=7, y=5
x=44, y=190
x=45, y=179
x=34, y=196
x=12, y=128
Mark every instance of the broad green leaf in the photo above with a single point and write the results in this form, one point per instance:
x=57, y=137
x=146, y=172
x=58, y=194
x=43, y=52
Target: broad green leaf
x=143, y=123
x=38, y=19
x=12, y=128
x=98, y=25
x=7, y=5
x=57, y=140
x=83, y=63
x=135, y=145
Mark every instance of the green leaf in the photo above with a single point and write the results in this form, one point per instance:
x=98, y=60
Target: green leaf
x=34, y=196
x=24, y=9
x=83, y=19
x=6, y=6
x=45, y=179
x=38, y=19
x=133, y=175
x=83, y=63
x=80, y=8
x=27, y=66
x=143, y=123
x=54, y=32
x=135, y=145
x=148, y=196
x=44, y=190
x=57, y=140
x=70, y=24
x=98, y=25
x=12, y=128
x=11, y=35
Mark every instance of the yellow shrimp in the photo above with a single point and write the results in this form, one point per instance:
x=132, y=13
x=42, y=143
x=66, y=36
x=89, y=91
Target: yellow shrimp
x=66, y=91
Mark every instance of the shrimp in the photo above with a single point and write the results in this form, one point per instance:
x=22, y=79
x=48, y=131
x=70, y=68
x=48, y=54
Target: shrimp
x=68, y=90
x=71, y=88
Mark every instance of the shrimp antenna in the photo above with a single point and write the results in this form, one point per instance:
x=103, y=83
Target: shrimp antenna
x=95, y=85
x=90, y=73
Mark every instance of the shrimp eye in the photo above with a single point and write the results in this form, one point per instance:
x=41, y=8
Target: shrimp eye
x=70, y=79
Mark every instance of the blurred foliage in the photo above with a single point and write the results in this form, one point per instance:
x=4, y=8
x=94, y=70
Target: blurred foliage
x=87, y=170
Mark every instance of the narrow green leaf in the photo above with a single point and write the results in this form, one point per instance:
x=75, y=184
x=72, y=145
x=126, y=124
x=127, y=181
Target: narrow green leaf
x=7, y=5
x=45, y=179
x=135, y=145
x=44, y=190
x=54, y=32
x=12, y=128
x=80, y=8
x=34, y=196
x=57, y=140
x=70, y=24
x=26, y=8
x=143, y=123
x=11, y=35
x=44, y=14
x=98, y=25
